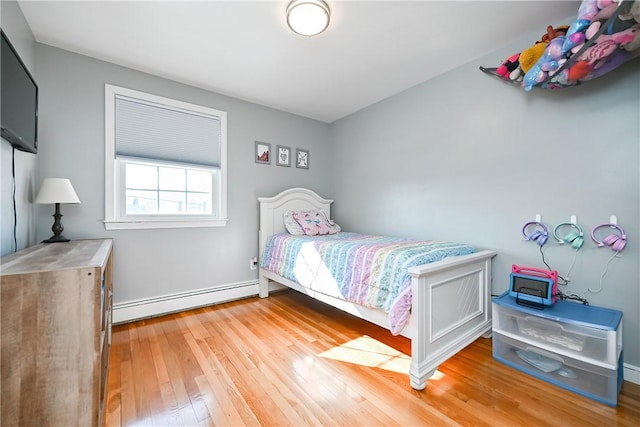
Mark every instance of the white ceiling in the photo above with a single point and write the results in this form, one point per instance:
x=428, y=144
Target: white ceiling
x=371, y=50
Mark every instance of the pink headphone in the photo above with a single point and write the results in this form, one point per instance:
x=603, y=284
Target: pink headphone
x=539, y=235
x=617, y=242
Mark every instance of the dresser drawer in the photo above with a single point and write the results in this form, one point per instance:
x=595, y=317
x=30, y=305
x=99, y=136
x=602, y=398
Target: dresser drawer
x=587, y=379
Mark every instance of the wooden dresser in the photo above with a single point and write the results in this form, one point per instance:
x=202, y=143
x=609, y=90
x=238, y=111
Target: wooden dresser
x=55, y=309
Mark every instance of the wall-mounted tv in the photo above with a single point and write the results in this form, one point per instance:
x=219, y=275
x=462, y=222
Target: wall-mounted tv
x=19, y=93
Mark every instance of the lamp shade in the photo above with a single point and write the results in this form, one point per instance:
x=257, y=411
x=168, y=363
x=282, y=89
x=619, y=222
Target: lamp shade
x=308, y=17
x=56, y=190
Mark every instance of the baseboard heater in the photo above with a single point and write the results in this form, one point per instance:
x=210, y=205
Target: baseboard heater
x=128, y=311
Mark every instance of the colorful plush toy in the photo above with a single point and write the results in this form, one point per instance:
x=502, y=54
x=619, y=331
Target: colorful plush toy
x=607, y=45
x=578, y=71
x=549, y=61
x=530, y=56
x=632, y=13
x=605, y=35
x=509, y=69
x=552, y=33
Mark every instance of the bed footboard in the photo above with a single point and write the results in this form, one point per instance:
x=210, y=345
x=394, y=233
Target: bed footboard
x=451, y=308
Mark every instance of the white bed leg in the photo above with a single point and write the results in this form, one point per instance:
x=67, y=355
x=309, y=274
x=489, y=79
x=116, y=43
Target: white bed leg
x=420, y=382
x=263, y=286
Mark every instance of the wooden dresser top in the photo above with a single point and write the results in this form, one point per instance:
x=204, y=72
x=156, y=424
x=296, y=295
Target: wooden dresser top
x=57, y=256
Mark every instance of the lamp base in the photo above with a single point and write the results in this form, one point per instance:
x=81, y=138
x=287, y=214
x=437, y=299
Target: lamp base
x=57, y=228
x=56, y=239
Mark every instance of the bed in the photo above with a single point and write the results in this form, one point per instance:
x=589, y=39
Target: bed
x=450, y=299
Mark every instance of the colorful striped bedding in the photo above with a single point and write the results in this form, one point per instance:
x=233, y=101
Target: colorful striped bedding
x=364, y=269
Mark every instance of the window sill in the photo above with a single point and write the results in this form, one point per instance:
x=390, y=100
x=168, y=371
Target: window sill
x=148, y=224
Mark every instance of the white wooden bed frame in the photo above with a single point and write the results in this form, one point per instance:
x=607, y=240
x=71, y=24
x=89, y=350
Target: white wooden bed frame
x=451, y=304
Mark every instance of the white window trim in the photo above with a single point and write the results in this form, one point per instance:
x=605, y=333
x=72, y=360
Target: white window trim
x=113, y=221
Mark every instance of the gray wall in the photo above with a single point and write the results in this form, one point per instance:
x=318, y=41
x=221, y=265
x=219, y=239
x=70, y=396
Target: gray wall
x=151, y=263
x=17, y=30
x=467, y=157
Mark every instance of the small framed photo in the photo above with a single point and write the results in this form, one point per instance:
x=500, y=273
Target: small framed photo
x=302, y=158
x=283, y=156
x=263, y=153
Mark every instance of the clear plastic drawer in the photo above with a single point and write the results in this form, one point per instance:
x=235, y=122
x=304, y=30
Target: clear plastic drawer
x=587, y=379
x=586, y=342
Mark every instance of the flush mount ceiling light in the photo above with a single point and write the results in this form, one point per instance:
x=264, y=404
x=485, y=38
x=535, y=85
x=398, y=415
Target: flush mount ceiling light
x=308, y=17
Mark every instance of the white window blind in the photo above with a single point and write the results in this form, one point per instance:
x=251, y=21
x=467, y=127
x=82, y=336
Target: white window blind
x=155, y=131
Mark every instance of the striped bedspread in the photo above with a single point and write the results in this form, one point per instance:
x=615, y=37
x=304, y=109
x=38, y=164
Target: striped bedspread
x=364, y=269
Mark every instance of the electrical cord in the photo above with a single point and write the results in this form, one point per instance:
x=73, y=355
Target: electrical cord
x=561, y=280
x=566, y=276
x=564, y=282
x=574, y=297
x=606, y=268
x=15, y=209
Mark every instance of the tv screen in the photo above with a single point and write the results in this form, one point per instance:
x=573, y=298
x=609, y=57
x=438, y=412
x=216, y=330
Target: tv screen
x=19, y=93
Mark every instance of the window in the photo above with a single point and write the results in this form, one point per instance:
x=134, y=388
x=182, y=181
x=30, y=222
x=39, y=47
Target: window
x=165, y=162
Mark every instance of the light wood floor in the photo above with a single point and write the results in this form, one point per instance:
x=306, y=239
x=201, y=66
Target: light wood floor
x=288, y=360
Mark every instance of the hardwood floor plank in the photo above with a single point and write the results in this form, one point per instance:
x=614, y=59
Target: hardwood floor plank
x=215, y=374
x=113, y=402
x=170, y=334
x=288, y=360
x=144, y=378
x=128, y=398
x=167, y=398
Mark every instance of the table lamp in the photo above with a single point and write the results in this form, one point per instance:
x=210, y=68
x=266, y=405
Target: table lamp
x=57, y=190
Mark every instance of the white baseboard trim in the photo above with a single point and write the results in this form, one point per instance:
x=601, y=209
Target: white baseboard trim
x=129, y=311
x=631, y=373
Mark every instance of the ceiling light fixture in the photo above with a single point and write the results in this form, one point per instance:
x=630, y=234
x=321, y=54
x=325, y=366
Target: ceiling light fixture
x=308, y=17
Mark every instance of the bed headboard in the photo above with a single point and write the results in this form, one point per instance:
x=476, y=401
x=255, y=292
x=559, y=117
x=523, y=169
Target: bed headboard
x=293, y=199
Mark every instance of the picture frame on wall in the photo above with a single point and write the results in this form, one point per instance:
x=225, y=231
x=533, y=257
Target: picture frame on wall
x=283, y=156
x=262, y=153
x=302, y=158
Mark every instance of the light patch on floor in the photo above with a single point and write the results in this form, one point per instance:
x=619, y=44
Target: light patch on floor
x=366, y=351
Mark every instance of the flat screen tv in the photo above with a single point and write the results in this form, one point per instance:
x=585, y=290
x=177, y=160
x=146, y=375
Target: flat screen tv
x=19, y=93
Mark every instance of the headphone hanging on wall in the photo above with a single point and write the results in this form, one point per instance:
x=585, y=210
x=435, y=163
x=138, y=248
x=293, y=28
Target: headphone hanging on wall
x=616, y=241
x=540, y=233
x=575, y=238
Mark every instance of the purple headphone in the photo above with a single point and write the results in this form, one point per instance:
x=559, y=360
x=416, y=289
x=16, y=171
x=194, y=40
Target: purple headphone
x=617, y=242
x=539, y=235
